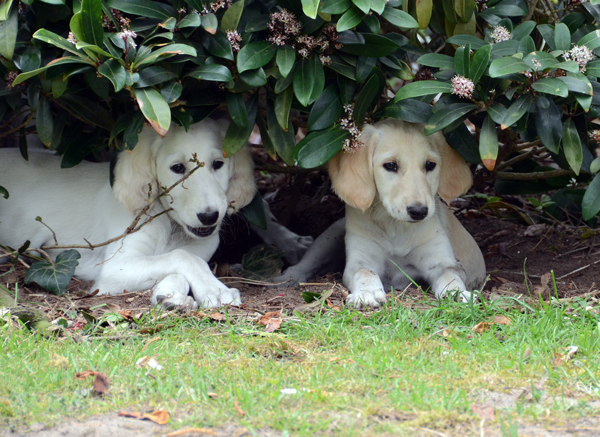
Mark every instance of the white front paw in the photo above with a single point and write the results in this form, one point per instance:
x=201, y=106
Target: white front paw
x=369, y=297
x=176, y=302
x=465, y=296
x=217, y=297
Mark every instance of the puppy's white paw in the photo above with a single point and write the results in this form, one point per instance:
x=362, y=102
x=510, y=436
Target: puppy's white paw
x=368, y=297
x=465, y=296
x=218, y=297
x=177, y=302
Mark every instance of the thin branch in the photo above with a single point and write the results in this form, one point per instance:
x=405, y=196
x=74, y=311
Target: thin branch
x=16, y=129
x=133, y=227
x=532, y=176
x=516, y=159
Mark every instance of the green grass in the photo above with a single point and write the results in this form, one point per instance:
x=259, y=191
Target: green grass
x=389, y=372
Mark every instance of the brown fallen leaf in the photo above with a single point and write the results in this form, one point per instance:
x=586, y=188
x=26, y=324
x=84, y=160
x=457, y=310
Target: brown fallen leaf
x=501, y=320
x=237, y=407
x=159, y=416
x=217, y=317
x=448, y=333
x=484, y=326
x=155, y=329
x=272, y=321
x=149, y=343
x=126, y=314
x=331, y=305
x=101, y=381
x=186, y=431
x=486, y=412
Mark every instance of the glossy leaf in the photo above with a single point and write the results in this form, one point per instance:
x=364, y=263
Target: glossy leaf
x=591, y=40
x=155, y=109
x=143, y=8
x=310, y=8
x=375, y=46
x=413, y=111
x=572, y=145
x=44, y=122
x=351, y=18
x=516, y=110
x=321, y=148
x=8, y=33
x=399, y=18
x=595, y=166
x=551, y=85
x=365, y=97
x=443, y=62
x=254, y=78
x=57, y=41
x=212, y=72
x=236, y=137
x=446, y=115
x=284, y=141
x=508, y=65
x=236, y=106
x=164, y=53
x=232, y=15
x=562, y=37
x=577, y=84
x=481, y=61
x=326, y=110
x=286, y=57
x=171, y=91
x=115, y=72
x=283, y=104
x=218, y=45
x=462, y=61
x=309, y=80
x=488, y=143
x=463, y=40
x=590, y=205
x=210, y=23
x=255, y=55
x=91, y=18
x=335, y=6
x=422, y=88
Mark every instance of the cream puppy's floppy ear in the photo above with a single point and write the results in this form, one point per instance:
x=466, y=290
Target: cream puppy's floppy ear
x=135, y=172
x=455, y=175
x=352, y=172
x=242, y=188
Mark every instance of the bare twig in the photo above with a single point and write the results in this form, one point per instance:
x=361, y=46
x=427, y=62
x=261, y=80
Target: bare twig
x=578, y=270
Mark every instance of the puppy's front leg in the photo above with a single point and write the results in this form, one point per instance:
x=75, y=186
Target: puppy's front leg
x=364, y=263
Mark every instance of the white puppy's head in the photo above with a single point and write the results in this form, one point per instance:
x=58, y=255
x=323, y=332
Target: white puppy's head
x=401, y=166
x=201, y=201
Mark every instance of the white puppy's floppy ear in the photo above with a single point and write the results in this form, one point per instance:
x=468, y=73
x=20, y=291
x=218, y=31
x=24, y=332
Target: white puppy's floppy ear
x=135, y=172
x=455, y=174
x=352, y=172
x=242, y=188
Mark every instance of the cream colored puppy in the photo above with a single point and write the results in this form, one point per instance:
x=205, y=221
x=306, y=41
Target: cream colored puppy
x=396, y=225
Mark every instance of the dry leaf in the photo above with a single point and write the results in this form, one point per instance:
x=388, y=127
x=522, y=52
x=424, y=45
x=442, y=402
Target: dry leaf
x=127, y=314
x=449, y=333
x=186, y=431
x=149, y=343
x=159, y=416
x=337, y=360
x=113, y=306
x=480, y=327
x=212, y=395
x=237, y=407
x=559, y=357
x=542, y=289
x=101, y=382
x=217, y=317
x=501, y=320
x=155, y=329
x=331, y=305
x=272, y=321
x=486, y=412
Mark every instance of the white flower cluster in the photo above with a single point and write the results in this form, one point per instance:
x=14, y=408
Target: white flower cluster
x=462, y=87
x=128, y=37
x=283, y=26
x=71, y=38
x=499, y=34
x=234, y=39
x=580, y=54
x=348, y=123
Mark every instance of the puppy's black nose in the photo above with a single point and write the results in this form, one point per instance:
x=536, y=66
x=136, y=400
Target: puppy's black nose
x=417, y=212
x=208, y=218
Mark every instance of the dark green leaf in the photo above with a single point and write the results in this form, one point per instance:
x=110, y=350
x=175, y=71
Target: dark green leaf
x=526, y=45
x=321, y=148
x=399, y=18
x=254, y=212
x=365, y=98
x=57, y=41
x=143, y=8
x=375, y=46
x=255, y=55
x=462, y=40
x=443, y=62
x=591, y=40
x=446, y=115
x=548, y=123
x=231, y=17
x=309, y=80
x=523, y=30
x=286, y=57
x=504, y=10
x=590, y=205
x=115, y=72
x=364, y=66
x=579, y=84
x=284, y=141
x=54, y=278
x=481, y=60
x=462, y=61
x=413, y=111
x=516, y=111
x=335, y=6
x=343, y=68
x=562, y=37
x=91, y=17
x=3, y=192
x=254, y=78
x=508, y=65
x=326, y=110
x=572, y=145
x=551, y=85
x=593, y=69
x=236, y=137
x=461, y=140
x=171, y=91
x=218, y=45
x=363, y=5
x=236, y=106
x=155, y=109
x=190, y=20
x=350, y=19
x=164, y=53
x=210, y=23
x=155, y=75
x=283, y=104
x=422, y=88
x=212, y=72
x=44, y=121
x=504, y=48
x=488, y=143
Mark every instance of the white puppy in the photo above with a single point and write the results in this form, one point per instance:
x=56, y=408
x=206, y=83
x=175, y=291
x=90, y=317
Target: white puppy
x=170, y=252
x=396, y=226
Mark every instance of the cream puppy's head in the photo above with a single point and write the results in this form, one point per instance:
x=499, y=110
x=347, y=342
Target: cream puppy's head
x=401, y=166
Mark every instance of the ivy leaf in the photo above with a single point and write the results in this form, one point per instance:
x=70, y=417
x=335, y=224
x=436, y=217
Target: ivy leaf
x=54, y=278
x=255, y=55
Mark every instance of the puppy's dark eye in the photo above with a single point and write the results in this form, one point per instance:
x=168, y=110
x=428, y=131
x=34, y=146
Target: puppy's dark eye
x=429, y=166
x=178, y=168
x=217, y=164
x=391, y=166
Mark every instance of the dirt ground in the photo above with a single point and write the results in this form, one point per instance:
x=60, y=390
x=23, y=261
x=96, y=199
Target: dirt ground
x=512, y=249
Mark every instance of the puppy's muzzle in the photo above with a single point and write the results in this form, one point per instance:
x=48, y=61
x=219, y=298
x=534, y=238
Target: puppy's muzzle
x=417, y=212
